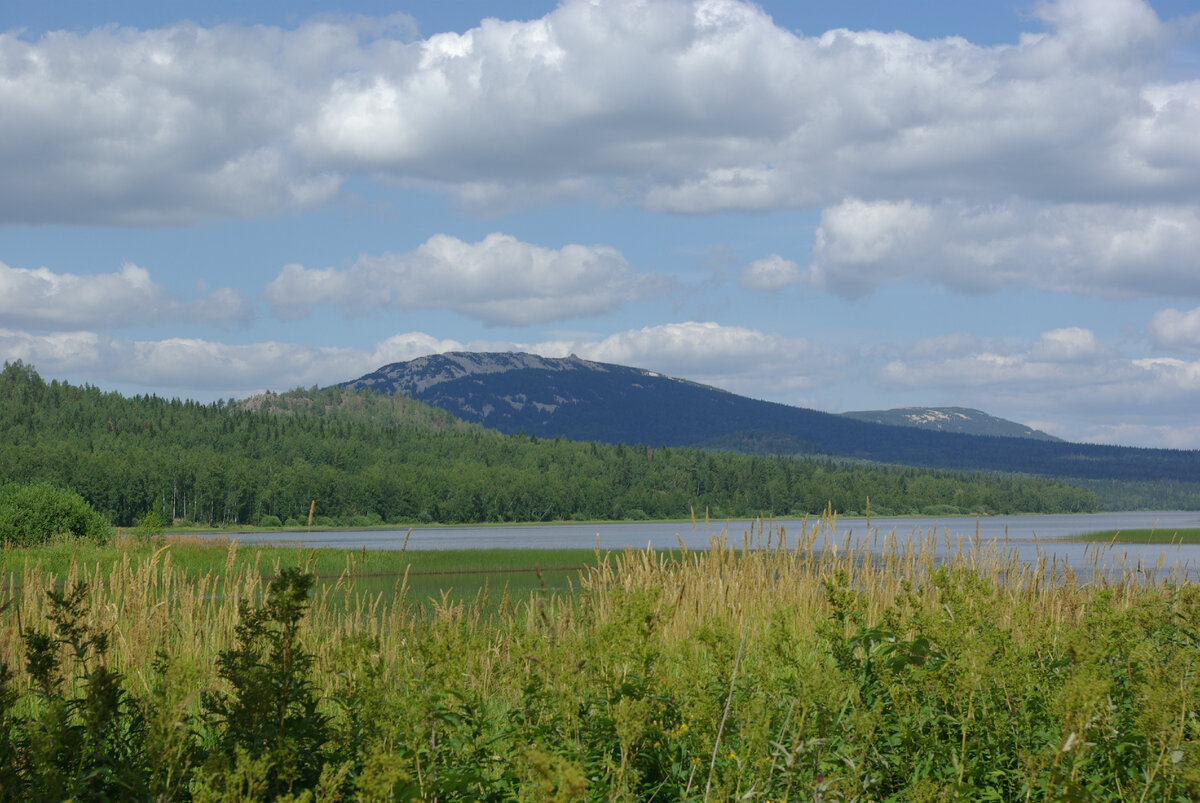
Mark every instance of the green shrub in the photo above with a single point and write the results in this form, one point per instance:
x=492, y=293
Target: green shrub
x=35, y=513
x=270, y=521
x=942, y=510
x=149, y=525
x=86, y=740
x=270, y=715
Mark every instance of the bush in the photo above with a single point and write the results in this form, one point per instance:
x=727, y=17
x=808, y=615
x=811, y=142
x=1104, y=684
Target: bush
x=35, y=513
x=269, y=521
x=271, y=715
x=149, y=525
x=942, y=510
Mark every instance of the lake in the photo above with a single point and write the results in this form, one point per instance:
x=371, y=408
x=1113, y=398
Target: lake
x=1029, y=535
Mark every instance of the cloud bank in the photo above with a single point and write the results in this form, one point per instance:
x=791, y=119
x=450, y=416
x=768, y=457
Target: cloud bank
x=41, y=299
x=499, y=280
x=681, y=106
x=1065, y=372
x=731, y=357
x=1078, y=248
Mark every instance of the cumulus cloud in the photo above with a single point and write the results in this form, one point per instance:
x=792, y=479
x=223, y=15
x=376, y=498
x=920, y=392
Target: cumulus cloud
x=769, y=274
x=1176, y=329
x=498, y=280
x=1081, y=248
x=684, y=106
x=167, y=126
x=1071, y=344
x=41, y=299
x=731, y=357
x=710, y=105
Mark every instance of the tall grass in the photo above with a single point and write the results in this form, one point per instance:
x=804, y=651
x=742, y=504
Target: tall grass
x=775, y=665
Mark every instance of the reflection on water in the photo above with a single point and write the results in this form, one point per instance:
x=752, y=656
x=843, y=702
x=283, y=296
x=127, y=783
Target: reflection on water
x=1033, y=537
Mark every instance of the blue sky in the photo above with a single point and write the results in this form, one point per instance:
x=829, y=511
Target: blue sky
x=843, y=206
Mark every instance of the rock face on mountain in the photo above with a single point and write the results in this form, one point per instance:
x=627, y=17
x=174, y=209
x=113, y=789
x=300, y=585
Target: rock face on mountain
x=583, y=400
x=951, y=419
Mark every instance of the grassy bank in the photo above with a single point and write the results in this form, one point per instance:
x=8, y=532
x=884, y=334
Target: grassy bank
x=1143, y=536
x=425, y=574
x=805, y=667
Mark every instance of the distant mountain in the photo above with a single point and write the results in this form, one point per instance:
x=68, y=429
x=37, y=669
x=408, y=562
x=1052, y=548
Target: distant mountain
x=963, y=420
x=583, y=400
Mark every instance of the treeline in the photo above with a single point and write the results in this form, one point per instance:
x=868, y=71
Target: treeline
x=366, y=458
x=1150, y=495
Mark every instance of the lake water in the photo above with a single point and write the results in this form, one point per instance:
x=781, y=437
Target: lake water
x=1029, y=535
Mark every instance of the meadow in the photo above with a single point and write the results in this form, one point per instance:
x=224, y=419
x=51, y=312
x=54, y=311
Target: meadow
x=775, y=665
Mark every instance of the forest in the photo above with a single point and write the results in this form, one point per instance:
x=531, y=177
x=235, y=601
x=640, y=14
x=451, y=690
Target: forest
x=365, y=458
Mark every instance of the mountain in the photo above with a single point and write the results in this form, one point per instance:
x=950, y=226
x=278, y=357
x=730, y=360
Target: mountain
x=583, y=400
x=364, y=458
x=951, y=419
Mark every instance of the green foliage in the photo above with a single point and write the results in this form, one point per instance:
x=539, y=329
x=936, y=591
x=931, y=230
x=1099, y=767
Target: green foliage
x=86, y=742
x=149, y=525
x=37, y=512
x=961, y=690
x=366, y=458
x=270, y=713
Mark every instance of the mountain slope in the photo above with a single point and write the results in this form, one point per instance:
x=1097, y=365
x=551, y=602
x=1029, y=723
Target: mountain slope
x=583, y=400
x=963, y=420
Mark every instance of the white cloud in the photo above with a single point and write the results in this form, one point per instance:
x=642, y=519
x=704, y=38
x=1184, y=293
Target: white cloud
x=735, y=358
x=731, y=357
x=1076, y=248
x=769, y=274
x=1150, y=435
x=498, y=280
x=1070, y=344
x=41, y=299
x=1176, y=329
x=1066, y=375
x=194, y=366
x=167, y=126
x=684, y=106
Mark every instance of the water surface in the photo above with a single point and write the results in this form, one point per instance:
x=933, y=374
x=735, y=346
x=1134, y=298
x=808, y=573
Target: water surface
x=1032, y=536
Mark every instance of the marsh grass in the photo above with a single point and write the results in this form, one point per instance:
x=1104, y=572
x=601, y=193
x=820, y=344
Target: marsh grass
x=1143, y=536
x=430, y=573
x=778, y=665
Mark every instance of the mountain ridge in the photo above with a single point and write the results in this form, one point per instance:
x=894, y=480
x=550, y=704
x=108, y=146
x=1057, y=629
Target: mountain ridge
x=582, y=400
x=965, y=420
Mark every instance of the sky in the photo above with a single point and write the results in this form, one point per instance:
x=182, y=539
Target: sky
x=844, y=206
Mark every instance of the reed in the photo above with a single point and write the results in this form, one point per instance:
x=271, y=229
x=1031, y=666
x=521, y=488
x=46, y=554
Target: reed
x=775, y=664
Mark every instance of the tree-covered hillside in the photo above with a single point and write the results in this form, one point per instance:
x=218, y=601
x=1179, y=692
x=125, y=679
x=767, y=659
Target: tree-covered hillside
x=584, y=400
x=364, y=457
